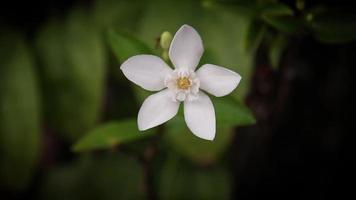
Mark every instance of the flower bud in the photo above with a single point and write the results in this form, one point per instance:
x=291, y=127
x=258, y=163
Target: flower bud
x=165, y=40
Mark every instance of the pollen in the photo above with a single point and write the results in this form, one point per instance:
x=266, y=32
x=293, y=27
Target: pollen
x=183, y=83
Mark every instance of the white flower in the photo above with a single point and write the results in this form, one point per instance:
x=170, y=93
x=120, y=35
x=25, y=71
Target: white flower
x=180, y=85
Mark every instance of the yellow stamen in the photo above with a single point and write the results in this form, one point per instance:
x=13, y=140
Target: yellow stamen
x=183, y=83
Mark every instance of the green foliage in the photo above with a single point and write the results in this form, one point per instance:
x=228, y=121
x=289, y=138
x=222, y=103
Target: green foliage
x=229, y=113
x=183, y=142
x=118, y=13
x=281, y=17
x=72, y=56
x=181, y=180
x=276, y=50
x=125, y=45
x=225, y=34
x=256, y=32
x=19, y=113
x=276, y=9
x=332, y=25
x=109, y=135
x=73, y=62
x=106, y=177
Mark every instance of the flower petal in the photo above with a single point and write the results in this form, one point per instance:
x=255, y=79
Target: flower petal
x=186, y=48
x=157, y=109
x=216, y=80
x=200, y=117
x=147, y=71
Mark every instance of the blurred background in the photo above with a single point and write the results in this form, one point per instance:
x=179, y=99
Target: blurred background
x=68, y=115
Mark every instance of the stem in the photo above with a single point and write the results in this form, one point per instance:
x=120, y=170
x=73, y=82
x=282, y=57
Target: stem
x=148, y=170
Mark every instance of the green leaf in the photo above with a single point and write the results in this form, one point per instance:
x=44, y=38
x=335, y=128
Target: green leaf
x=161, y=15
x=281, y=17
x=198, y=150
x=276, y=9
x=231, y=112
x=284, y=24
x=73, y=66
x=109, y=135
x=276, y=50
x=20, y=126
x=125, y=45
x=225, y=34
x=256, y=32
x=104, y=177
x=118, y=13
x=181, y=180
x=332, y=26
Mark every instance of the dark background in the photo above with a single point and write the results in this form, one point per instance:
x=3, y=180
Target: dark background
x=302, y=147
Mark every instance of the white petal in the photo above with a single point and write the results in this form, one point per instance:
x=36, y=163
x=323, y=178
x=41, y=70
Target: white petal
x=147, y=71
x=200, y=117
x=157, y=109
x=186, y=48
x=216, y=80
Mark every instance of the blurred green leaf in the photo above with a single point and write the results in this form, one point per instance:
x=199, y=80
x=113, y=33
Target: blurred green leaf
x=181, y=180
x=109, y=135
x=229, y=113
x=193, y=148
x=161, y=15
x=106, y=177
x=73, y=61
x=125, y=45
x=276, y=49
x=284, y=24
x=118, y=13
x=256, y=32
x=276, y=9
x=19, y=113
x=281, y=17
x=332, y=26
x=225, y=34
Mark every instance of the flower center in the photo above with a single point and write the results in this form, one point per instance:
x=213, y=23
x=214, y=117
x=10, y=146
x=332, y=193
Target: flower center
x=183, y=83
